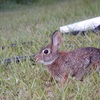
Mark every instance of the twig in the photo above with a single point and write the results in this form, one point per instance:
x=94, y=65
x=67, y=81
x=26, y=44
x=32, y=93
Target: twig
x=16, y=59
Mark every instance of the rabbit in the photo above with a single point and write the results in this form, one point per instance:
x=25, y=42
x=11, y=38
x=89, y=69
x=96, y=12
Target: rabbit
x=61, y=64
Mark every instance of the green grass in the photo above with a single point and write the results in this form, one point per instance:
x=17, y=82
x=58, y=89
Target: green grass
x=36, y=23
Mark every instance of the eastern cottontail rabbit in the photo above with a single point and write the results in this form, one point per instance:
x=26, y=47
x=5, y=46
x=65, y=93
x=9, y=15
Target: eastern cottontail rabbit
x=74, y=63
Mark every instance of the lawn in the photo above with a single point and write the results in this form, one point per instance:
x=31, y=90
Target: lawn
x=36, y=22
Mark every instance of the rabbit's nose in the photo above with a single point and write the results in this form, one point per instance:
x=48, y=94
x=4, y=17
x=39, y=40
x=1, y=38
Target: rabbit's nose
x=36, y=57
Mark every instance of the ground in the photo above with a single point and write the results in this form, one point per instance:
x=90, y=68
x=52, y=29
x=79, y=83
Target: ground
x=24, y=23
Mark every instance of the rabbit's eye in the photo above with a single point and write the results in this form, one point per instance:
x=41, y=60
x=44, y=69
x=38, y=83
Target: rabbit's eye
x=46, y=51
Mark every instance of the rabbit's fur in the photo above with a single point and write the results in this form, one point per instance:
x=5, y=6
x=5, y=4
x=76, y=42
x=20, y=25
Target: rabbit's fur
x=75, y=63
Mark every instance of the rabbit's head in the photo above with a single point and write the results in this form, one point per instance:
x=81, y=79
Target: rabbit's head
x=49, y=54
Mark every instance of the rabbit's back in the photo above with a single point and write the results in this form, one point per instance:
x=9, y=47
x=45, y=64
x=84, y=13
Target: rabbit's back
x=80, y=59
x=90, y=53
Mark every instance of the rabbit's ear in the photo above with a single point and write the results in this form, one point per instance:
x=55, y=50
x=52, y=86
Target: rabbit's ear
x=56, y=39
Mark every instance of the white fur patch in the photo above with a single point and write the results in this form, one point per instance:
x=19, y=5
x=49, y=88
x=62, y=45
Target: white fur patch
x=46, y=63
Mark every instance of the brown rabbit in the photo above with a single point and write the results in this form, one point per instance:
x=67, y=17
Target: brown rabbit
x=61, y=64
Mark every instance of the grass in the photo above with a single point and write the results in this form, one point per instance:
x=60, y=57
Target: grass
x=36, y=23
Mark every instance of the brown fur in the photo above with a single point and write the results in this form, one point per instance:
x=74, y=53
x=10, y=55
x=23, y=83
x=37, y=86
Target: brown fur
x=75, y=63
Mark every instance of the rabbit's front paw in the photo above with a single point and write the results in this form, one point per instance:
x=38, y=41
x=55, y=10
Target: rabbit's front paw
x=63, y=80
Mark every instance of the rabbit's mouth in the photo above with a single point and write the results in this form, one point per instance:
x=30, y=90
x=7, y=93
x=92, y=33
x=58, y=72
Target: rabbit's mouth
x=38, y=58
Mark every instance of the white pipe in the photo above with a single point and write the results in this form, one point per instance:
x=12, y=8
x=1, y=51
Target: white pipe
x=81, y=26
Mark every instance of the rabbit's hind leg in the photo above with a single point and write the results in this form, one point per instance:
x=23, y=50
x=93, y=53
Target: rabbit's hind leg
x=79, y=75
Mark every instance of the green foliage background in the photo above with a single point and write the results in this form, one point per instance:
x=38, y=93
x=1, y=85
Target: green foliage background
x=27, y=1
x=36, y=22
